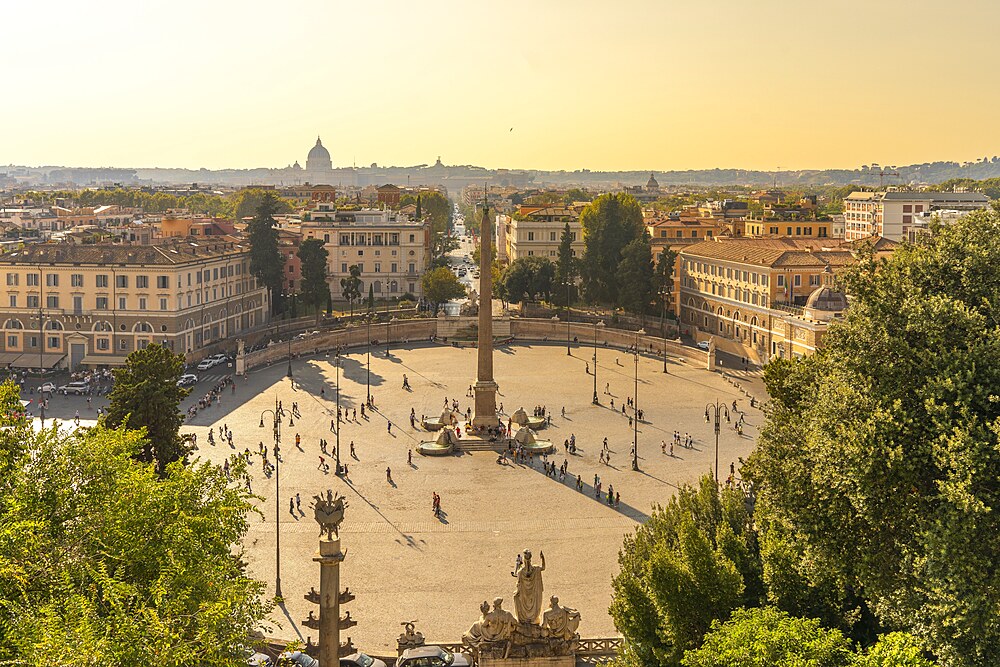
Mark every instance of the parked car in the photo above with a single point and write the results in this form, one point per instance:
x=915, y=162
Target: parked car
x=259, y=660
x=205, y=364
x=187, y=380
x=76, y=388
x=360, y=660
x=432, y=656
x=47, y=388
x=298, y=659
x=703, y=344
x=220, y=359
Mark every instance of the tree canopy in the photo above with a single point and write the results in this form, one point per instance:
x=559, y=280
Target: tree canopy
x=610, y=223
x=441, y=285
x=528, y=278
x=266, y=261
x=350, y=286
x=315, y=289
x=635, y=275
x=146, y=396
x=105, y=561
x=880, y=452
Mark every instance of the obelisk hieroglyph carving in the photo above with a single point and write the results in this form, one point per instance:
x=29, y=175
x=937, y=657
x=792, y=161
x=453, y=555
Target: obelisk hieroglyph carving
x=485, y=388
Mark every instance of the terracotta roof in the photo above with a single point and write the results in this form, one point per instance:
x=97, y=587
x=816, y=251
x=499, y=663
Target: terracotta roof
x=771, y=252
x=181, y=251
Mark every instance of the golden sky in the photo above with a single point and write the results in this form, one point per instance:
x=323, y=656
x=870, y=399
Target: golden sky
x=546, y=84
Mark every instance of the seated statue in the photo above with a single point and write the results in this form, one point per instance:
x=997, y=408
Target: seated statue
x=560, y=622
x=475, y=634
x=492, y=626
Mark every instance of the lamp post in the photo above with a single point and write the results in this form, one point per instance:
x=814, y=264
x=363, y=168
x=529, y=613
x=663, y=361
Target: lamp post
x=716, y=410
x=368, y=363
x=635, y=404
x=276, y=423
x=663, y=327
x=599, y=323
x=388, y=334
x=289, y=357
x=336, y=362
x=567, y=318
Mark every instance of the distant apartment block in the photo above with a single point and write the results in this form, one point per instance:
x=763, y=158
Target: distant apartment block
x=889, y=214
x=537, y=232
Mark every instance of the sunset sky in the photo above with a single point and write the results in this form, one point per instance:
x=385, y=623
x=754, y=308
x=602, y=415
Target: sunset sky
x=547, y=84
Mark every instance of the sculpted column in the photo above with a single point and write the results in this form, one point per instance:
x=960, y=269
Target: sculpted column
x=485, y=388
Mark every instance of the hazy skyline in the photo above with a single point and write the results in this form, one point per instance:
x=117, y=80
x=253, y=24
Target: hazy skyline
x=543, y=84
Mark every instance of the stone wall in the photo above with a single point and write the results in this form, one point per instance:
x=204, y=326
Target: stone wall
x=554, y=331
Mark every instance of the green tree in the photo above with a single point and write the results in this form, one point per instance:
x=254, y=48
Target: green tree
x=635, y=276
x=105, y=561
x=315, y=288
x=575, y=195
x=350, y=286
x=528, y=278
x=896, y=649
x=567, y=267
x=437, y=209
x=663, y=281
x=693, y=562
x=146, y=396
x=881, y=450
x=371, y=297
x=767, y=637
x=247, y=202
x=266, y=261
x=610, y=223
x=441, y=285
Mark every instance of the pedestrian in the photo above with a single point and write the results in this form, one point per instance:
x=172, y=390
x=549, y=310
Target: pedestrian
x=353, y=455
x=322, y=463
x=564, y=412
x=409, y=457
x=389, y=427
x=388, y=474
x=291, y=505
x=298, y=502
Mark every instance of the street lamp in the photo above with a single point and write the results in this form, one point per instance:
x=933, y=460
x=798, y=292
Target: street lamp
x=276, y=423
x=289, y=357
x=368, y=363
x=663, y=327
x=336, y=362
x=567, y=318
x=599, y=323
x=716, y=410
x=635, y=404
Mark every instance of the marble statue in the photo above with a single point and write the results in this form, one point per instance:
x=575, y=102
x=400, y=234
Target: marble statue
x=502, y=621
x=560, y=622
x=528, y=593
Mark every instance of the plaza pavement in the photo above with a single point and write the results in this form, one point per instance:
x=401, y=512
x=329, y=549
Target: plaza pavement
x=403, y=563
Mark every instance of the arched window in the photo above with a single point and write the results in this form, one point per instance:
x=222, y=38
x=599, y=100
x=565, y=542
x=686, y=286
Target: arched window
x=143, y=327
x=13, y=324
x=52, y=325
x=102, y=326
x=377, y=286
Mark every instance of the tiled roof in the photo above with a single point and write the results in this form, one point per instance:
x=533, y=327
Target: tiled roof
x=772, y=252
x=176, y=252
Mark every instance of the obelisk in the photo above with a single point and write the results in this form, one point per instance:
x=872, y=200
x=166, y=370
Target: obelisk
x=485, y=388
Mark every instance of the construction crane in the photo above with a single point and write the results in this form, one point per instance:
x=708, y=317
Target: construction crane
x=883, y=172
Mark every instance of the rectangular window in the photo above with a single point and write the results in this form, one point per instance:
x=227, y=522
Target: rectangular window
x=343, y=267
x=77, y=305
x=53, y=342
x=197, y=278
x=121, y=303
x=11, y=341
x=163, y=304
x=378, y=267
x=531, y=236
x=814, y=279
x=142, y=282
x=52, y=280
x=121, y=282
x=123, y=344
x=798, y=280
x=162, y=282
x=76, y=280
x=52, y=301
x=13, y=301
x=215, y=274
x=102, y=344
x=32, y=280
x=413, y=268
x=552, y=236
x=33, y=301
x=12, y=279
x=102, y=303
x=142, y=303
x=412, y=238
x=781, y=281
x=907, y=208
x=393, y=267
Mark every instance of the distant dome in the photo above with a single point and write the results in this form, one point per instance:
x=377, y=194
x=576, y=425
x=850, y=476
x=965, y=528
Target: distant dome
x=651, y=184
x=827, y=299
x=319, y=158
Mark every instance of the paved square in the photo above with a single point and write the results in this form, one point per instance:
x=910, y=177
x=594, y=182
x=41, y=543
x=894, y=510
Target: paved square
x=403, y=563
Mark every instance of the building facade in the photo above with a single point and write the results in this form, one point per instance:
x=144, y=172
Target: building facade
x=392, y=250
x=539, y=231
x=753, y=295
x=889, y=213
x=91, y=305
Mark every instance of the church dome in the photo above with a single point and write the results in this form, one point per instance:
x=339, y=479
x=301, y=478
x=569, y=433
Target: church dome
x=827, y=299
x=319, y=157
x=651, y=184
